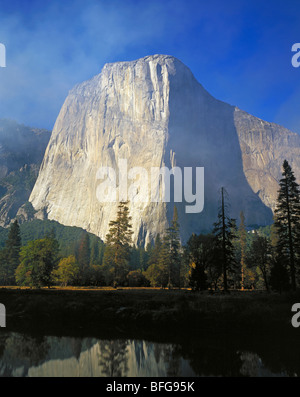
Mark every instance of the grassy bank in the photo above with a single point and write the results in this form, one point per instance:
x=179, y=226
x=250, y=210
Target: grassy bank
x=146, y=312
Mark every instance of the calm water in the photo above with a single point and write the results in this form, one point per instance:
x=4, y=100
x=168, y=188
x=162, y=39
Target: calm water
x=24, y=355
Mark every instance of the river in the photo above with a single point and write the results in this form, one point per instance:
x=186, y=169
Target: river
x=24, y=355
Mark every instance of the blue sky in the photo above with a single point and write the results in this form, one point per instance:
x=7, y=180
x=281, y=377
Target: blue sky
x=239, y=50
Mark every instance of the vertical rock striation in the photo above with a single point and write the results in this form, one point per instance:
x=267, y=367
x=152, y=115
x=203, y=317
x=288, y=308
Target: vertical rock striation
x=152, y=112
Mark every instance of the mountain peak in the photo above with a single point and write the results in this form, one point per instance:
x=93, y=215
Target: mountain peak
x=152, y=112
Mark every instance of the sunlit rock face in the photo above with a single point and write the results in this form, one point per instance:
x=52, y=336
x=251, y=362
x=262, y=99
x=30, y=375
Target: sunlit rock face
x=49, y=356
x=153, y=113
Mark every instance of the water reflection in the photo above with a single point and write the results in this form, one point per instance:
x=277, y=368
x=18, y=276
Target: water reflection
x=113, y=359
x=24, y=355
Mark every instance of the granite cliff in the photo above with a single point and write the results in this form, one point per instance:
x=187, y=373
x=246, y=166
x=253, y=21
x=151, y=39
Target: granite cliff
x=21, y=152
x=152, y=112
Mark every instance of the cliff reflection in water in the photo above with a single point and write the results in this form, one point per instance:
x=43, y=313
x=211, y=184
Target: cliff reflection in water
x=24, y=355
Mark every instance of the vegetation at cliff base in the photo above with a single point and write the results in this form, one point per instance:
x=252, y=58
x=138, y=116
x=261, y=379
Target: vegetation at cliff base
x=45, y=253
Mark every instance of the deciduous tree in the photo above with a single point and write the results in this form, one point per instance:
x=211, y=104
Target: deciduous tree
x=38, y=259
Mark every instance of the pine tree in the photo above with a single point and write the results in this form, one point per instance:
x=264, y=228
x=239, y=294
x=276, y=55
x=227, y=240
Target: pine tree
x=134, y=258
x=4, y=267
x=174, y=260
x=118, y=245
x=287, y=219
x=83, y=258
x=224, y=231
x=243, y=245
x=154, y=252
x=84, y=250
x=12, y=251
x=95, y=252
x=164, y=264
x=158, y=262
x=142, y=258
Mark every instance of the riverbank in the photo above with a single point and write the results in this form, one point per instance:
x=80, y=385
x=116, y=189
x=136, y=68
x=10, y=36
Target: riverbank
x=217, y=334
x=146, y=312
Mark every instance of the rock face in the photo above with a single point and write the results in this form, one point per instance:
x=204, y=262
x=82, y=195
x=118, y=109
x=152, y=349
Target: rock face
x=153, y=113
x=21, y=153
x=264, y=147
x=87, y=357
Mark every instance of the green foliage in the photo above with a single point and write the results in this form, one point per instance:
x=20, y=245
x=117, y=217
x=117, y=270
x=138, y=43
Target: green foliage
x=9, y=258
x=207, y=260
x=66, y=271
x=96, y=251
x=83, y=256
x=69, y=240
x=173, y=255
x=118, y=247
x=3, y=236
x=4, y=268
x=96, y=275
x=287, y=221
x=199, y=256
x=69, y=237
x=37, y=261
x=157, y=275
x=164, y=263
x=83, y=259
x=154, y=252
x=157, y=272
x=136, y=278
x=166, y=257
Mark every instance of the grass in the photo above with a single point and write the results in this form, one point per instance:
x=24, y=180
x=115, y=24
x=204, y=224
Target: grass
x=207, y=329
x=145, y=311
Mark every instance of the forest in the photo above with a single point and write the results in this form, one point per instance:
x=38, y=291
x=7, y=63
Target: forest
x=45, y=254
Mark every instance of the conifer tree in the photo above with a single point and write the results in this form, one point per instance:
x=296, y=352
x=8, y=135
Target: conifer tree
x=83, y=258
x=164, y=265
x=158, y=263
x=118, y=246
x=10, y=254
x=224, y=232
x=94, y=253
x=154, y=252
x=174, y=246
x=287, y=219
x=84, y=250
x=243, y=245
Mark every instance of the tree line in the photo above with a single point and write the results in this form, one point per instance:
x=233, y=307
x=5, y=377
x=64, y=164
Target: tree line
x=230, y=257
